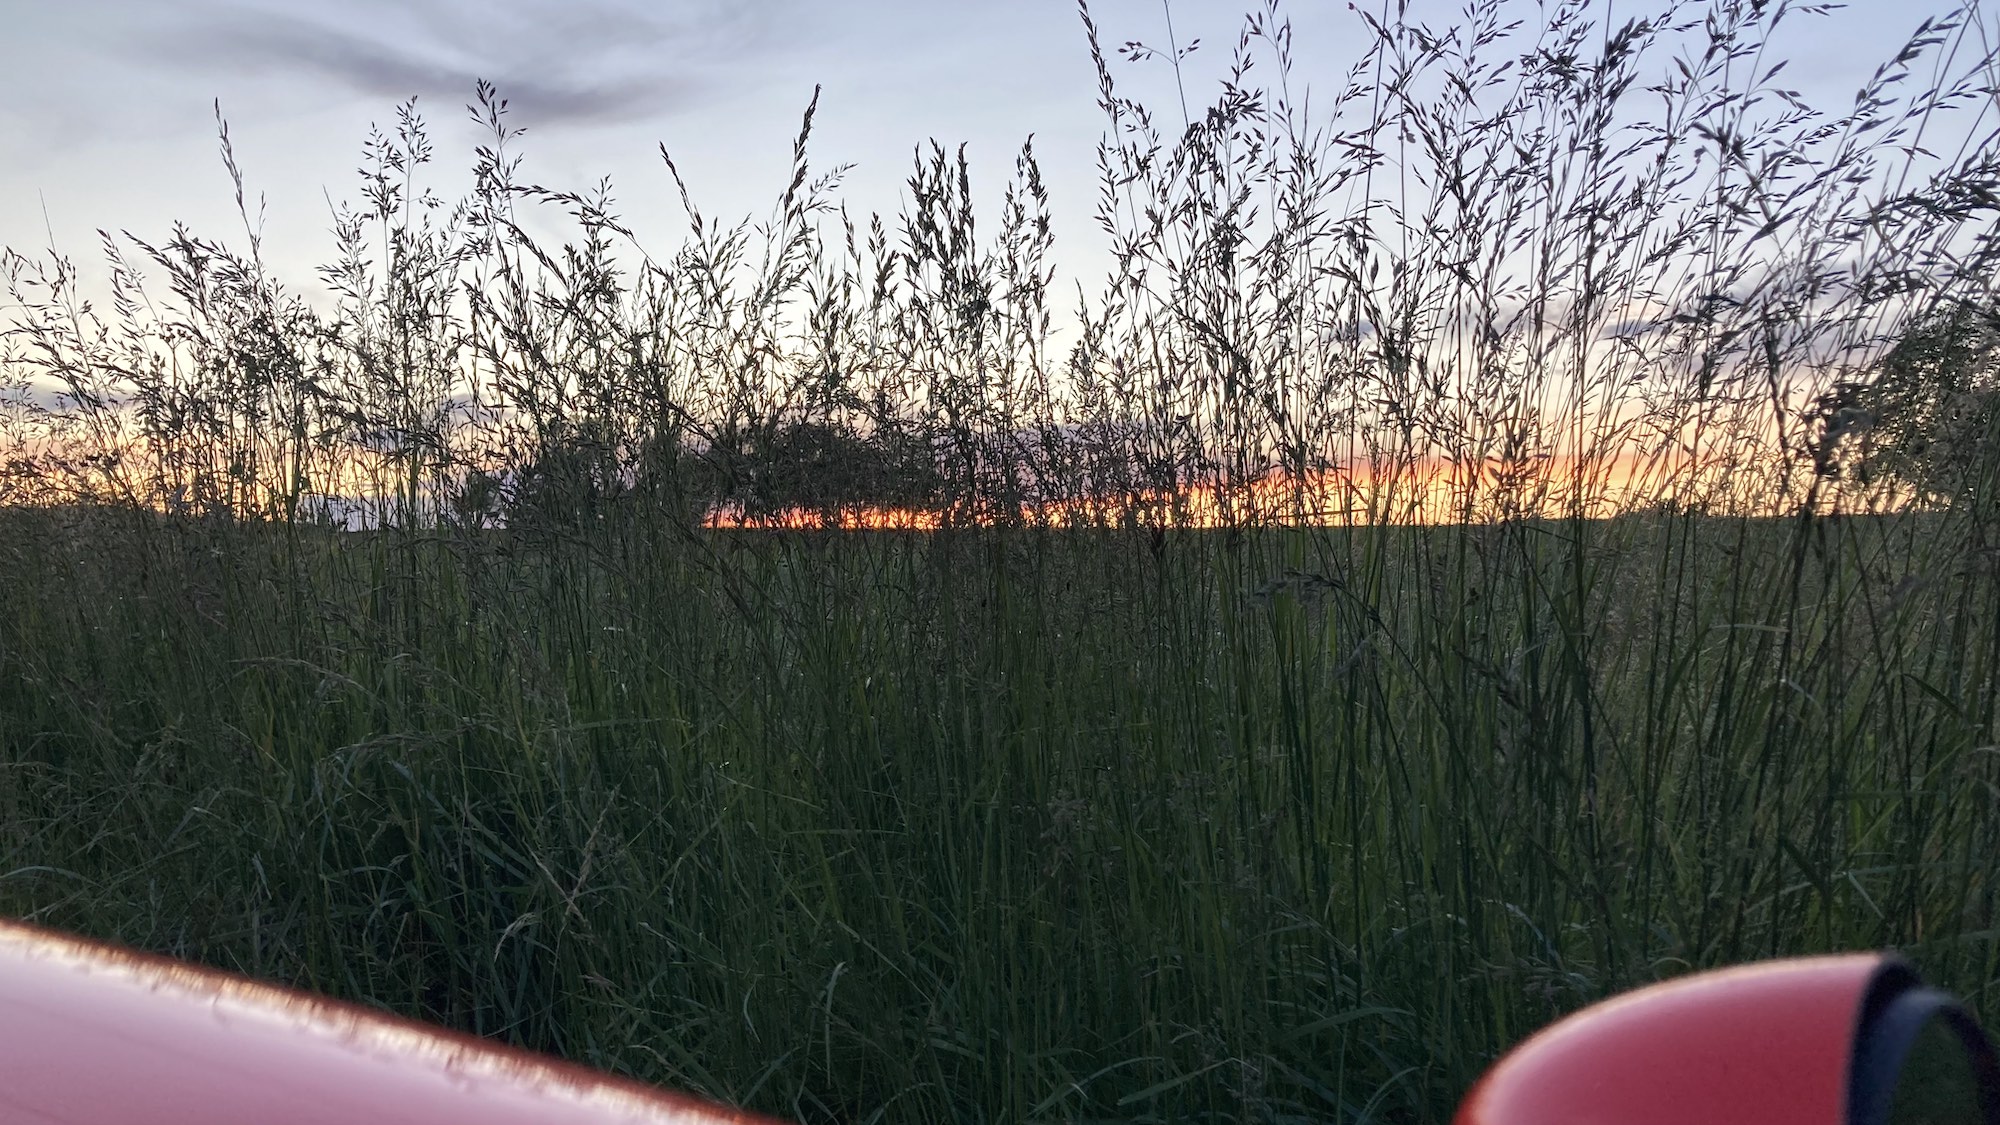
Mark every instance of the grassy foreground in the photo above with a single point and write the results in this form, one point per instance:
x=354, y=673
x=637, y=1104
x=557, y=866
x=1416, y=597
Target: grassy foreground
x=1005, y=825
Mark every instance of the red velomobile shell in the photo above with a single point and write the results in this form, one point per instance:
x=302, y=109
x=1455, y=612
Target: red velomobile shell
x=91, y=1035
x=1763, y=1044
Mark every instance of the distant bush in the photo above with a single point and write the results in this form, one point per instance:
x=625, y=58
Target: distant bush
x=1929, y=417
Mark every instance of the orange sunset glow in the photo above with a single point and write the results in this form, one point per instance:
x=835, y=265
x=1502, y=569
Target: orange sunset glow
x=1427, y=491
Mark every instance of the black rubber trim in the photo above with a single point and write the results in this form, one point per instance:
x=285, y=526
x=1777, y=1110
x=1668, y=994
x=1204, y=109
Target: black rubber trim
x=1895, y=1008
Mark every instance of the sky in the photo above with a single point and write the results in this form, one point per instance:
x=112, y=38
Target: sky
x=107, y=115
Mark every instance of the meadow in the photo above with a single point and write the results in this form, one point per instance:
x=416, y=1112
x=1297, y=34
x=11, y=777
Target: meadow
x=1523, y=529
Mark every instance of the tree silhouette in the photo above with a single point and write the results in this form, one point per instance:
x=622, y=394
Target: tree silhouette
x=1929, y=418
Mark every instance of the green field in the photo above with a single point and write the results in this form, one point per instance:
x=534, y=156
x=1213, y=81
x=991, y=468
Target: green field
x=1006, y=825
x=1531, y=528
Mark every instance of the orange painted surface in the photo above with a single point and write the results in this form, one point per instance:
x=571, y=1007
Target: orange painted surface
x=1765, y=1044
x=92, y=1035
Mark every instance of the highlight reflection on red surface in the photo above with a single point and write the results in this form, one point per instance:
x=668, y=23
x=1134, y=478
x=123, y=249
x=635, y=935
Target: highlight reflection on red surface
x=1765, y=1044
x=91, y=1035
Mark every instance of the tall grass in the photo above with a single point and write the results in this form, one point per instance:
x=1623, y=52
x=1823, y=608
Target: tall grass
x=1519, y=527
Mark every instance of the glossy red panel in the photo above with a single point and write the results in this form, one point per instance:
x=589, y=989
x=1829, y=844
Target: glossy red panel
x=91, y=1035
x=1765, y=1044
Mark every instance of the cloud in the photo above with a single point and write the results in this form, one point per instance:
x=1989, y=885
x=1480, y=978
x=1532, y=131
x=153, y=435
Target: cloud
x=598, y=62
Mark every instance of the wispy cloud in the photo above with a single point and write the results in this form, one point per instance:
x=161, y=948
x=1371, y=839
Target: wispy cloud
x=602, y=61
